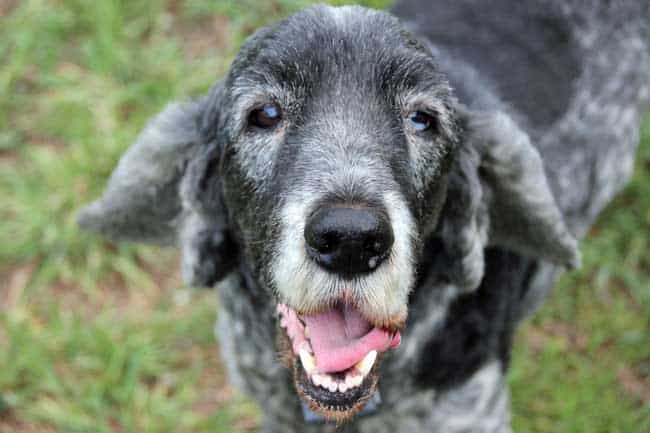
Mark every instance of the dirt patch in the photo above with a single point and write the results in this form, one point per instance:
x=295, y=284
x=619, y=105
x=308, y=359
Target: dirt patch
x=113, y=292
x=6, y=6
x=9, y=158
x=43, y=141
x=214, y=390
x=635, y=385
x=13, y=283
x=10, y=422
x=205, y=36
x=538, y=337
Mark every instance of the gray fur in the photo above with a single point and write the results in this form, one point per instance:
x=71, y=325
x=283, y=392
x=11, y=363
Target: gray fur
x=141, y=201
x=539, y=106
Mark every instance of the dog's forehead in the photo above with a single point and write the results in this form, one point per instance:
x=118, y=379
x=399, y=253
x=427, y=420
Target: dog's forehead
x=327, y=46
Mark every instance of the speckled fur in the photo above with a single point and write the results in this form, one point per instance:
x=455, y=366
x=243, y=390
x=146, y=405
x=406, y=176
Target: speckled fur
x=541, y=104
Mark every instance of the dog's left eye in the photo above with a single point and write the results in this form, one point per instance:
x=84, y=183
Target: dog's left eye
x=420, y=121
x=265, y=117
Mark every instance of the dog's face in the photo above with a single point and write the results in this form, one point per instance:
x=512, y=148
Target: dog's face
x=332, y=147
x=336, y=135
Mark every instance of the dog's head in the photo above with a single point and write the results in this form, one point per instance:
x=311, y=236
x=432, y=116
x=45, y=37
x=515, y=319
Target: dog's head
x=339, y=132
x=328, y=155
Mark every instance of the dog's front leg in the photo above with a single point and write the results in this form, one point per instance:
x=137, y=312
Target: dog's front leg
x=481, y=405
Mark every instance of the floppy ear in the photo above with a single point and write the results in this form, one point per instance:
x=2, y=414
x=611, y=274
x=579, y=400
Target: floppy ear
x=150, y=196
x=498, y=195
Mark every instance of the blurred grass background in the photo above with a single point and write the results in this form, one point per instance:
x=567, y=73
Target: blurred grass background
x=96, y=337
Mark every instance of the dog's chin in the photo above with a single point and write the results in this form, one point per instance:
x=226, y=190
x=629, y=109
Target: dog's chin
x=335, y=406
x=334, y=357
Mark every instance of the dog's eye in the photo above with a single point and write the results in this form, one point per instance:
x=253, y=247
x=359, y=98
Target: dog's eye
x=420, y=121
x=265, y=117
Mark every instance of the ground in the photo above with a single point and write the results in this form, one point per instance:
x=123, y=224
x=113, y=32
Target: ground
x=97, y=337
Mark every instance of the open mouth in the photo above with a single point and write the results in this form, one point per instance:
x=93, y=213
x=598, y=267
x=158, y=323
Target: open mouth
x=335, y=357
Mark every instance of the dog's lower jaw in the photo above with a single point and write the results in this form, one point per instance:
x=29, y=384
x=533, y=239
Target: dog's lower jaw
x=337, y=408
x=335, y=382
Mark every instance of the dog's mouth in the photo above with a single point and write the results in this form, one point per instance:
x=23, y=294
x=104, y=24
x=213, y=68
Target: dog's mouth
x=335, y=357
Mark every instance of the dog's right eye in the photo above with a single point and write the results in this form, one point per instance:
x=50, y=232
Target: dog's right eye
x=420, y=121
x=265, y=117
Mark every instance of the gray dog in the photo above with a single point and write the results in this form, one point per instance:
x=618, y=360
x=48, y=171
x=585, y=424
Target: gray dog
x=381, y=201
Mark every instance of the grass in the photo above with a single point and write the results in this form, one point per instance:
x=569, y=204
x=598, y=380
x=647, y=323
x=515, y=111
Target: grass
x=96, y=337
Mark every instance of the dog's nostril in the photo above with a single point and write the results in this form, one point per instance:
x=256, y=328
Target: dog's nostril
x=326, y=243
x=374, y=246
x=348, y=241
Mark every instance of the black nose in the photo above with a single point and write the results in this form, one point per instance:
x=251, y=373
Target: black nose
x=348, y=241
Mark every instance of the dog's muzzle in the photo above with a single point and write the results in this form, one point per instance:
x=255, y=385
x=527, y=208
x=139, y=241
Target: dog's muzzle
x=343, y=274
x=335, y=358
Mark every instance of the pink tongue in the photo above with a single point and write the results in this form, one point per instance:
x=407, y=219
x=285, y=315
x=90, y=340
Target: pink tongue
x=340, y=338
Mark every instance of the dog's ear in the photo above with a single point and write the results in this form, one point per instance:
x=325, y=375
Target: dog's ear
x=209, y=251
x=150, y=196
x=499, y=195
x=141, y=201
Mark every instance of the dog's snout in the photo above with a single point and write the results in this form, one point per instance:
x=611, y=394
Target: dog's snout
x=348, y=241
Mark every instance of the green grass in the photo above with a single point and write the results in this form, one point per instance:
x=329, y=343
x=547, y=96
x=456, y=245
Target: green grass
x=96, y=337
x=589, y=347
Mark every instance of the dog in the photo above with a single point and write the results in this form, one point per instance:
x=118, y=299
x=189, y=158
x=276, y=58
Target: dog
x=380, y=198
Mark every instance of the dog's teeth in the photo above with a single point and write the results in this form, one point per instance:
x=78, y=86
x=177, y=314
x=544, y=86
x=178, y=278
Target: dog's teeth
x=365, y=365
x=327, y=381
x=317, y=379
x=308, y=361
x=304, y=345
x=348, y=380
x=343, y=387
x=333, y=386
x=306, y=332
x=352, y=381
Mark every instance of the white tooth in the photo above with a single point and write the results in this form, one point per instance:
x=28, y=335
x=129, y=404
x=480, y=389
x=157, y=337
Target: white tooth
x=306, y=332
x=332, y=386
x=308, y=361
x=348, y=380
x=343, y=387
x=304, y=345
x=352, y=380
x=317, y=379
x=326, y=381
x=365, y=365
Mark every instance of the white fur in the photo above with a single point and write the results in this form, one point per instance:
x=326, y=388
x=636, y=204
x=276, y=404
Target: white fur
x=381, y=296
